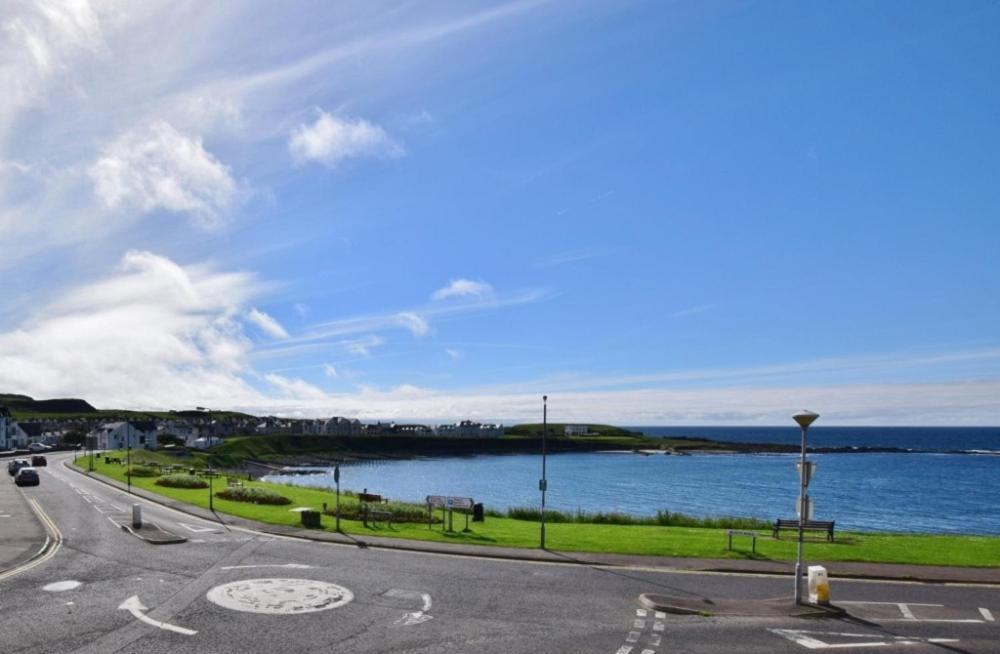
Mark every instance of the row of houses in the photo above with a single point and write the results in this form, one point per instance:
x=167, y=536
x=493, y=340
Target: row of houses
x=202, y=432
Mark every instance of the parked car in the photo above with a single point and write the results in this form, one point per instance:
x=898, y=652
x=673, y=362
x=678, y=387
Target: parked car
x=38, y=447
x=26, y=477
x=38, y=461
x=17, y=464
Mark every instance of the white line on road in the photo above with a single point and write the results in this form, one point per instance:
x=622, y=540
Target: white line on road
x=135, y=607
x=654, y=640
x=632, y=637
x=297, y=566
x=987, y=615
x=809, y=640
x=641, y=613
x=639, y=623
x=907, y=613
x=648, y=651
x=624, y=649
x=658, y=626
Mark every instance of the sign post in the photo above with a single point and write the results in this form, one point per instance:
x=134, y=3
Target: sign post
x=336, y=478
x=804, y=419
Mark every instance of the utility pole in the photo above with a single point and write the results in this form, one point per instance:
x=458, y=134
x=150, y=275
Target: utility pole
x=543, y=483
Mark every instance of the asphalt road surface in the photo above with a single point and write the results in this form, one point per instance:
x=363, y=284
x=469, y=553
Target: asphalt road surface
x=225, y=590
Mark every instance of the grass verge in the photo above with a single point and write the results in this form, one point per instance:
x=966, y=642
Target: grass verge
x=701, y=542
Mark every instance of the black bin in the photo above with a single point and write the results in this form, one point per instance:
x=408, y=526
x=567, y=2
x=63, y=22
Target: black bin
x=478, y=515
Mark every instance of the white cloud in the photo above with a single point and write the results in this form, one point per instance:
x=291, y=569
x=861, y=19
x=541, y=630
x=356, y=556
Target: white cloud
x=363, y=346
x=462, y=288
x=414, y=322
x=331, y=140
x=330, y=371
x=268, y=324
x=454, y=354
x=295, y=388
x=157, y=167
x=701, y=308
x=151, y=334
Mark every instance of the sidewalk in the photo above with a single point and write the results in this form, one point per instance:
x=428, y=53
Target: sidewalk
x=21, y=533
x=837, y=569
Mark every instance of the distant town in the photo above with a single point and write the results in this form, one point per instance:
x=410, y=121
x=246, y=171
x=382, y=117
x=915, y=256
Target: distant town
x=202, y=429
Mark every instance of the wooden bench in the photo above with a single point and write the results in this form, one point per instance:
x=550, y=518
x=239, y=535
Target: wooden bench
x=808, y=525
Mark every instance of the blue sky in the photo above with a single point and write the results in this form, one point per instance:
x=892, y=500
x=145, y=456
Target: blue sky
x=656, y=213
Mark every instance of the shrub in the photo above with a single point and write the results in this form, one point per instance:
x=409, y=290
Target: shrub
x=142, y=471
x=181, y=481
x=253, y=495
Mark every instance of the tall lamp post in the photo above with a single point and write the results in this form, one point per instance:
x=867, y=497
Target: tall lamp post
x=804, y=419
x=543, y=482
x=128, y=456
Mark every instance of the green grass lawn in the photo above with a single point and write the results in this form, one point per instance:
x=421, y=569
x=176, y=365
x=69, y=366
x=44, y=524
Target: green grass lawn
x=982, y=551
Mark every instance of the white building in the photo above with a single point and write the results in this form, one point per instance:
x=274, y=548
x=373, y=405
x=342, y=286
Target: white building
x=9, y=431
x=575, y=430
x=122, y=435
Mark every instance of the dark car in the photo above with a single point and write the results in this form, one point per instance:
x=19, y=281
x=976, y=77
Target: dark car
x=26, y=477
x=38, y=460
x=17, y=464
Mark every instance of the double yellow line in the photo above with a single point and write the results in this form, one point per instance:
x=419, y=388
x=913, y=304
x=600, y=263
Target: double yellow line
x=53, y=541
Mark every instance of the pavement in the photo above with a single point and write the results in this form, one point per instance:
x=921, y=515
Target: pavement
x=21, y=536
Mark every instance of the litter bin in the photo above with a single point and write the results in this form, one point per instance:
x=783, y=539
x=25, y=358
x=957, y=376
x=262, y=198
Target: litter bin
x=819, y=585
x=310, y=519
x=478, y=514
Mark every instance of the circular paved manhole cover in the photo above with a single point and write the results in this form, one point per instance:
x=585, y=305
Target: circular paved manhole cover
x=280, y=596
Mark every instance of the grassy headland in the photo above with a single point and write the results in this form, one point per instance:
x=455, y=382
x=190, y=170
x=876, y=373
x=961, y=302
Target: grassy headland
x=982, y=551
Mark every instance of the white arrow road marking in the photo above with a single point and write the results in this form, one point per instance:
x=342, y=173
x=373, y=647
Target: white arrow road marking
x=413, y=617
x=200, y=530
x=987, y=615
x=296, y=566
x=135, y=607
x=809, y=640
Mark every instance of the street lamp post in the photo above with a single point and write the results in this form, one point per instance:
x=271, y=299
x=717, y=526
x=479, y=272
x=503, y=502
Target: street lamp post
x=804, y=419
x=543, y=483
x=128, y=457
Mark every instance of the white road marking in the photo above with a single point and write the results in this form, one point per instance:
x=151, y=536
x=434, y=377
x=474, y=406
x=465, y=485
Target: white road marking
x=60, y=586
x=279, y=596
x=632, y=637
x=294, y=566
x=907, y=613
x=987, y=615
x=624, y=649
x=413, y=617
x=200, y=530
x=654, y=640
x=809, y=640
x=639, y=623
x=884, y=603
x=648, y=651
x=658, y=626
x=641, y=613
x=660, y=615
x=4, y=515
x=135, y=607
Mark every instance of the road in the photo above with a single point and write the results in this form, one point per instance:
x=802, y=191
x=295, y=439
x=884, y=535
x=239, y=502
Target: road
x=227, y=590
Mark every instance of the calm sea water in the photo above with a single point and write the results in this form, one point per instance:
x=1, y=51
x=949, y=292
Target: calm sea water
x=937, y=439
x=934, y=493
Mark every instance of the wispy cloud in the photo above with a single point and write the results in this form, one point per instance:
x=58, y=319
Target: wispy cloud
x=362, y=346
x=331, y=140
x=268, y=324
x=690, y=311
x=417, y=325
x=463, y=288
x=330, y=371
x=157, y=167
x=563, y=258
x=453, y=353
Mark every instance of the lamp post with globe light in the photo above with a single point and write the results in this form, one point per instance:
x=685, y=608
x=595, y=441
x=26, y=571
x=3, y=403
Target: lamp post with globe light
x=804, y=419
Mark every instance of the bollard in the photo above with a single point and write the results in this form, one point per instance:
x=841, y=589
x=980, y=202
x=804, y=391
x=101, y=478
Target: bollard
x=819, y=585
x=136, y=516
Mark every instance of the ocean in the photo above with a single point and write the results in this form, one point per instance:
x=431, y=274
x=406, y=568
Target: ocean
x=927, y=492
